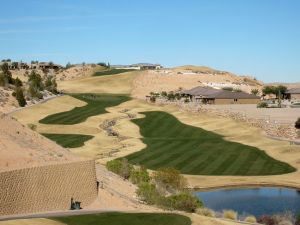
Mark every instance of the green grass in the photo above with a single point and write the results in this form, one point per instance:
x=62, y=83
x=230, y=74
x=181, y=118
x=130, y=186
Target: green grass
x=112, y=72
x=193, y=150
x=126, y=219
x=96, y=104
x=69, y=140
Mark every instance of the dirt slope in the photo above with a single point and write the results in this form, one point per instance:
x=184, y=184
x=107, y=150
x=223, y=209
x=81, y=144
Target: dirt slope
x=21, y=147
x=187, y=77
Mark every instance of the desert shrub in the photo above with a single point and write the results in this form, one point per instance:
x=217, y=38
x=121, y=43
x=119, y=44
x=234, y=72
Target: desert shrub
x=297, y=222
x=147, y=192
x=51, y=85
x=18, y=82
x=183, y=201
x=171, y=96
x=169, y=180
x=186, y=100
x=297, y=124
x=284, y=218
x=152, y=99
x=227, y=88
x=177, y=96
x=250, y=219
x=35, y=84
x=120, y=167
x=262, y=105
x=20, y=97
x=139, y=175
x=114, y=166
x=254, y=91
x=266, y=219
x=205, y=212
x=2, y=80
x=164, y=94
x=230, y=214
x=126, y=168
x=7, y=77
x=32, y=126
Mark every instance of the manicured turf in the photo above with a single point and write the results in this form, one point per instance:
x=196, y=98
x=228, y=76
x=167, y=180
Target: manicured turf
x=69, y=140
x=96, y=104
x=193, y=150
x=112, y=72
x=126, y=219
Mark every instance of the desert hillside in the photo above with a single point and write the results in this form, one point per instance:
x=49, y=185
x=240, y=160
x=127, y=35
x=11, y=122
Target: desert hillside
x=78, y=71
x=187, y=77
x=21, y=147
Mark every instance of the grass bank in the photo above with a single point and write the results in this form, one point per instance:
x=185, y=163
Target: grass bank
x=69, y=140
x=126, y=219
x=196, y=151
x=111, y=72
x=96, y=104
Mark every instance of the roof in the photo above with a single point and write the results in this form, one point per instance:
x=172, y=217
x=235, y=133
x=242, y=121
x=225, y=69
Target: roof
x=145, y=64
x=208, y=92
x=201, y=91
x=294, y=91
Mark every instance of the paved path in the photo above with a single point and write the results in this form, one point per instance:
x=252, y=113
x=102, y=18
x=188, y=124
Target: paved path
x=40, y=102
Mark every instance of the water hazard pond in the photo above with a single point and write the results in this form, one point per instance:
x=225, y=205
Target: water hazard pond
x=254, y=201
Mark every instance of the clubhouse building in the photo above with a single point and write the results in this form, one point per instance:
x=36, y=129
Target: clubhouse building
x=293, y=94
x=208, y=95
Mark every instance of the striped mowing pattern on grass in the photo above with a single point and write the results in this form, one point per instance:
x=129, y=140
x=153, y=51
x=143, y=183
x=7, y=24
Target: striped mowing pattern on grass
x=126, y=219
x=193, y=150
x=96, y=104
x=69, y=140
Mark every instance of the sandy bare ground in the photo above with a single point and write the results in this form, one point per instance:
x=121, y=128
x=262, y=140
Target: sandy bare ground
x=21, y=147
x=31, y=222
x=7, y=101
x=158, y=81
x=76, y=72
x=275, y=115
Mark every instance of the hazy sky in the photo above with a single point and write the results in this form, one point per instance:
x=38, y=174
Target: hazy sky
x=248, y=37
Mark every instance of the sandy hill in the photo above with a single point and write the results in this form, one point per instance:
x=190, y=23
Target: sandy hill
x=78, y=71
x=21, y=147
x=187, y=77
x=7, y=101
x=196, y=69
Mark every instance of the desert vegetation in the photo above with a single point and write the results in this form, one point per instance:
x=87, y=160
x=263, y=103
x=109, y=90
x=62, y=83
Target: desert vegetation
x=276, y=90
x=166, y=188
x=297, y=123
x=126, y=219
x=262, y=105
x=96, y=104
x=193, y=150
x=32, y=89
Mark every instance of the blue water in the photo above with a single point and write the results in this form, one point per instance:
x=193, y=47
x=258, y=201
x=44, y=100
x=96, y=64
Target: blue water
x=254, y=201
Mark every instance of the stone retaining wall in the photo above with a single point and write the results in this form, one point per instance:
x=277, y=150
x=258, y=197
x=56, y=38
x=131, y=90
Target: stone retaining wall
x=47, y=188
